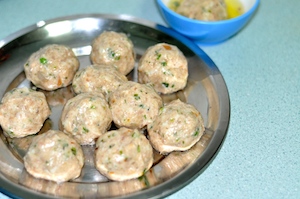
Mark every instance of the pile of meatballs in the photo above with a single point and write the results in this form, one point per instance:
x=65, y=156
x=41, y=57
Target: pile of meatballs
x=104, y=97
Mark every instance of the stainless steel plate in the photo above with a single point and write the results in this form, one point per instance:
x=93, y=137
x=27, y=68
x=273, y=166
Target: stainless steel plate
x=206, y=90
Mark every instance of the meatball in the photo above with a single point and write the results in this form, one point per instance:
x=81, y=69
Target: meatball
x=98, y=78
x=164, y=66
x=54, y=156
x=86, y=117
x=52, y=67
x=177, y=128
x=123, y=154
x=134, y=105
x=23, y=112
x=115, y=49
x=206, y=10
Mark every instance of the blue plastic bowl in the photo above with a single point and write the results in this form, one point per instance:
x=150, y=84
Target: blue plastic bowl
x=207, y=32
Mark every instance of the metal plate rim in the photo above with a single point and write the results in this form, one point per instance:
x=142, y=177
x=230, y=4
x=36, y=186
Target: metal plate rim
x=166, y=188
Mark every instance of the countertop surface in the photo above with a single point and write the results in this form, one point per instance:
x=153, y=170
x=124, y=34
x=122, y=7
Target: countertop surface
x=260, y=157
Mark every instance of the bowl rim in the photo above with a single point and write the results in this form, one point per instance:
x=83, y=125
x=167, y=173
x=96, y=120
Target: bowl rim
x=200, y=22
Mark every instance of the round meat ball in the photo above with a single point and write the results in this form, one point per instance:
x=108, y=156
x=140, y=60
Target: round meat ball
x=206, y=10
x=98, y=78
x=115, y=49
x=23, y=112
x=54, y=156
x=134, y=105
x=164, y=66
x=123, y=154
x=177, y=128
x=86, y=117
x=52, y=67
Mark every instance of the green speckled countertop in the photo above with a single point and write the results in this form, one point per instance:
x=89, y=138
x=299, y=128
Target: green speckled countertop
x=260, y=157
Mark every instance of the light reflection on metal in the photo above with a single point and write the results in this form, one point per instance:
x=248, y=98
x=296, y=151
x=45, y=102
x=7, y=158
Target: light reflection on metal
x=64, y=27
x=40, y=23
x=86, y=24
x=59, y=28
x=85, y=50
x=2, y=43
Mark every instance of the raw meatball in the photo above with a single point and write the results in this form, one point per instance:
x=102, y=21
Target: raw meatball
x=206, y=10
x=23, y=112
x=52, y=67
x=98, y=78
x=115, y=49
x=177, y=128
x=164, y=66
x=123, y=154
x=134, y=105
x=54, y=156
x=86, y=117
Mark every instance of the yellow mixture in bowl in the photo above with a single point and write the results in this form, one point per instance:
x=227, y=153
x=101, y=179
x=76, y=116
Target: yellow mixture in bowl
x=234, y=8
x=207, y=10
